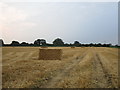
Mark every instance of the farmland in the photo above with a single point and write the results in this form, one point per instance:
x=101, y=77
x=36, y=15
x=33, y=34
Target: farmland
x=80, y=67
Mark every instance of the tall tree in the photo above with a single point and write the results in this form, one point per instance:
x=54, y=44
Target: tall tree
x=76, y=43
x=43, y=42
x=39, y=42
x=15, y=43
x=58, y=42
x=24, y=44
x=1, y=42
x=91, y=44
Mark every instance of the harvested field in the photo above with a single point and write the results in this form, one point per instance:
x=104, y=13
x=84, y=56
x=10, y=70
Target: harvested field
x=88, y=67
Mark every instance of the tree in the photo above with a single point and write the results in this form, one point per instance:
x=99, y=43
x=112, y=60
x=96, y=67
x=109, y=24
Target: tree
x=39, y=42
x=91, y=44
x=99, y=45
x=76, y=43
x=1, y=42
x=58, y=42
x=43, y=42
x=15, y=43
x=109, y=45
x=116, y=45
x=66, y=44
x=71, y=44
x=24, y=44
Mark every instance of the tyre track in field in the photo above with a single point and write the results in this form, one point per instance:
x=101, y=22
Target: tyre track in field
x=107, y=78
x=108, y=71
x=65, y=71
x=97, y=79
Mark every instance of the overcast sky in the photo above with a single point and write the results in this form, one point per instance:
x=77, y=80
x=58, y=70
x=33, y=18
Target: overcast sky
x=86, y=22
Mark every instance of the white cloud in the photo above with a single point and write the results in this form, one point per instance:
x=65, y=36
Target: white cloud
x=10, y=14
x=12, y=18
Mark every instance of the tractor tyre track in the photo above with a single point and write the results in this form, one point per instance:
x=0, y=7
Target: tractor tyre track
x=107, y=75
x=65, y=71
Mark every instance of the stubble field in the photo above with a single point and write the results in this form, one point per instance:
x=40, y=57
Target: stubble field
x=80, y=67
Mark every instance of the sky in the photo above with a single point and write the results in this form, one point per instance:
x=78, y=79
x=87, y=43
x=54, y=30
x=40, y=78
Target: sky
x=86, y=22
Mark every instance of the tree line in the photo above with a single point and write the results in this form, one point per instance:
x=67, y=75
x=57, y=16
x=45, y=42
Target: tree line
x=56, y=42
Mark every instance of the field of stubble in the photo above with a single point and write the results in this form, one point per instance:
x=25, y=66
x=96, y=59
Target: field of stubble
x=87, y=67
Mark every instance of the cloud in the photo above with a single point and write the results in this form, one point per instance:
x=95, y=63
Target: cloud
x=12, y=18
x=10, y=14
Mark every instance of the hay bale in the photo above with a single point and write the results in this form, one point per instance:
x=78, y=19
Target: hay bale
x=72, y=47
x=50, y=54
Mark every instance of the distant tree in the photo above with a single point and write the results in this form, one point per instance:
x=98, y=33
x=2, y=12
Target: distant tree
x=116, y=45
x=95, y=45
x=86, y=45
x=109, y=45
x=31, y=44
x=76, y=43
x=35, y=43
x=39, y=42
x=91, y=44
x=43, y=42
x=1, y=42
x=66, y=44
x=47, y=44
x=24, y=44
x=104, y=45
x=58, y=42
x=15, y=43
x=71, y=44
x=99, y=45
